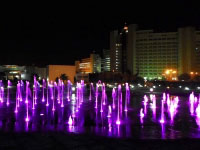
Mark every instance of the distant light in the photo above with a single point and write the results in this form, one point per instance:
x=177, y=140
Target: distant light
x=13, y=72
x=162, y=121
x=186, y=88
x=180, y=86
x=73, y=97
x=151, y=89
x=154, y=86
x=167, y=71
x=73, y=88
x=174, y=72
x=118, y=122
x=168, y=87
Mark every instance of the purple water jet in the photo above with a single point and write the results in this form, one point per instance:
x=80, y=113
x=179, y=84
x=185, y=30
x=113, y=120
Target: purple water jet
x=118, y=110
x=8, y=93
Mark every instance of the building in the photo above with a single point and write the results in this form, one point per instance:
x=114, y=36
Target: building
x=89, y=65
x=96, y=63
x=105, y=62
x=153, y=54
x=11, y=72
x=119, y=50
x=86, y=66
x=54, y=71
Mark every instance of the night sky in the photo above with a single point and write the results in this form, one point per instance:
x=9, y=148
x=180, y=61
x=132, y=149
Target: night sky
x=63, y=33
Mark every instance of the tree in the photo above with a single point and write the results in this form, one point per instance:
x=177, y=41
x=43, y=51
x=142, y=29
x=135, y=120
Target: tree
x=184, y=77
x=57, y=79
x=63, y=77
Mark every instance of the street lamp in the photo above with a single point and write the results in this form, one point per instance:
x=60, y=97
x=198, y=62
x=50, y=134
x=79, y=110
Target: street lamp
x=170, y=74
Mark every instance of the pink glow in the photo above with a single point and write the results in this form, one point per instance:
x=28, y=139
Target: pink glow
x=113, y=97
x=141, y=113
x=118, y=122
x=109, y=111
x=70, y=121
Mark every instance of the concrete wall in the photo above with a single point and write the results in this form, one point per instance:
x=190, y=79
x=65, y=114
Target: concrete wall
x=55, y=71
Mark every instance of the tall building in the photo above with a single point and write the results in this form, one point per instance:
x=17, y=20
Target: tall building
x=156, y=54
x=105, y=61
x=96, y=63
x=119, y=50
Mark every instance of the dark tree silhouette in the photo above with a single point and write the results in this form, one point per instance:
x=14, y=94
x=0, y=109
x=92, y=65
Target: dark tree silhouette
x=184, y=77
x=64, y=77
x=57, y=79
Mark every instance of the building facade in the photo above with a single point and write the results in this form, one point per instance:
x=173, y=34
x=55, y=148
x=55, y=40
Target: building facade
x=157, y=54
x=119, y=50
x=55, y=71
x=89, y=65
x=105, y=61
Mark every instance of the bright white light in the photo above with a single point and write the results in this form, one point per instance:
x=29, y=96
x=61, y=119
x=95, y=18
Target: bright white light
x=13, y=72
x=154, y=87
x=73, y=97
x=186, y=88
x=73, y=88
x=198, y=88
x=151, y=89
x=180, y=86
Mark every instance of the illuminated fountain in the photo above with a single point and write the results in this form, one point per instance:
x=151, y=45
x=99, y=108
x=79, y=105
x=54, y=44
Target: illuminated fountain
x=191, y=101
x=68, y=90
x=1, y=91
x=164, y=97
x=27, y=94
x=58, y=91
x=141, y=115
x=47, y=103
x=70, y=121
x=90, y=97
x=53, y=96
x=145, y=103
x=162, y=120
x=33, y=103
x=96, y=95
x=118, y=105
x=109, y=111
x=113, y=97
x=8, y=92
x=43, y=87
x=102, y=97
x=18, y=97
x=126, y=98
x=72, y=106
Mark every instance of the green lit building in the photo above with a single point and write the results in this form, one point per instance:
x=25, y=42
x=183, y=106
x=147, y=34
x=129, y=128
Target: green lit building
x=151, y=53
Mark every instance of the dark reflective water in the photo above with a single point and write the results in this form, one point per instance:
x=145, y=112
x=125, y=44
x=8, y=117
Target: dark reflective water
x=88, y=119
